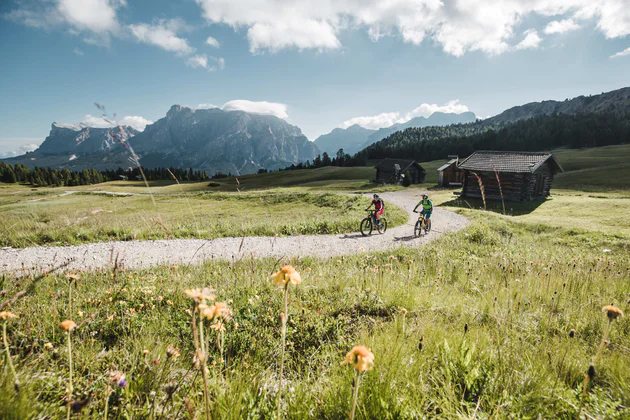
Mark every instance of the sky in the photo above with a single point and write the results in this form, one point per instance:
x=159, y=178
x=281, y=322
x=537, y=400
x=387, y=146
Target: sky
x=319, y=64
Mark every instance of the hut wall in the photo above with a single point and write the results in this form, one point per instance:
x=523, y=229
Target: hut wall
x=513, y=185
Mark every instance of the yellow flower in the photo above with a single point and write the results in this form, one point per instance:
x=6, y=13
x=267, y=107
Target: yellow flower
x=68, y=325
x=403, y=310
x=145, y=352
x=612, y=312
x=48, y=346
x=72, y=277
x=200, y=295
x=218, y=310
x=285, y=275
x=7, y=315
x=218, y=326
x=361, y=358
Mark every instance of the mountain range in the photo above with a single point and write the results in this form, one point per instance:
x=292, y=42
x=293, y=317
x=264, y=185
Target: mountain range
x=213, y=140
x=355, y=137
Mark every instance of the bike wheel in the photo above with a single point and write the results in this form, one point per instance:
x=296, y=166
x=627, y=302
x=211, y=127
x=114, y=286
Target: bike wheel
x=382, y=226
x=417, y=231
x=366, y=227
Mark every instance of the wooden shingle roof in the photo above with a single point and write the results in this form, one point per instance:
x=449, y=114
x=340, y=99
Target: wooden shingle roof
x=514, y=162
x=403, y=163
x=446, y=165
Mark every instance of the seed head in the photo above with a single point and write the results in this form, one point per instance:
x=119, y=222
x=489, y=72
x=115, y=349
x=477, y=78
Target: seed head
x=612, y=312
x=572, y=333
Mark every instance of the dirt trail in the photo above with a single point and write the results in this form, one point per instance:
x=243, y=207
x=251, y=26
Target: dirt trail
x=140, y=254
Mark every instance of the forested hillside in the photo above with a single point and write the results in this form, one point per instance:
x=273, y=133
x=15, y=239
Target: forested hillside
x=538, y=133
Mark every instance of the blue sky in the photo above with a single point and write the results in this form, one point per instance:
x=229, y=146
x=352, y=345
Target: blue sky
x=319, y=64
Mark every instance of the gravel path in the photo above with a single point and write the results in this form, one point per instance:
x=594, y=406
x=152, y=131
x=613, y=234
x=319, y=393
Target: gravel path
x=139, y=254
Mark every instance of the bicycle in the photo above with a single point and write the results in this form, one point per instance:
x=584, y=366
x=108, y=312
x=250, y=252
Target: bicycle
x=368, y=224
x=422, y=224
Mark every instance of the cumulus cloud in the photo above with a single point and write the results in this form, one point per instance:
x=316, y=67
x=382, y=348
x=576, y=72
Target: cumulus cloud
x=530, y=42
x=164, y=34
x=457, y=26
x=96, y=19
x=388, y=119
x=205, y=62
x=263, y=107
x=10, y=147
x=621, y=53
x=213, y=42
x=561, y=26
x=207, y=106
x=77, y=51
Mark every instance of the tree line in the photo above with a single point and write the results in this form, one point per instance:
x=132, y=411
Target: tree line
x=535, y=134
x=52, y=177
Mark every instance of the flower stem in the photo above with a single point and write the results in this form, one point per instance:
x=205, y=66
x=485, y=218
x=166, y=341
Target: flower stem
x=106, y=402
x=285, y=317
x=355, y=397
x=70, y=387
x=603, y=343
x=204, y=370
x=6, y=347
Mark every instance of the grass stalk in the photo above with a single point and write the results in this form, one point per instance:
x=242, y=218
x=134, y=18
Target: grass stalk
x=70, y=385
x=6, y=347
x=284, y=318
x=355, y=395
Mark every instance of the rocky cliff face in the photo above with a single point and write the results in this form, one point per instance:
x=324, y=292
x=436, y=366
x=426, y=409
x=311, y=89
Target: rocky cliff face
x=210, y=139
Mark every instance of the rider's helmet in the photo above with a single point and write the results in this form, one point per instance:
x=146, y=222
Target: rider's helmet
x=375, y=196
x=424, y=196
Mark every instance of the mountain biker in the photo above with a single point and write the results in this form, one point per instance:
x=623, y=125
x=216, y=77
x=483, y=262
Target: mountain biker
x=427, y=208
x=379, y=207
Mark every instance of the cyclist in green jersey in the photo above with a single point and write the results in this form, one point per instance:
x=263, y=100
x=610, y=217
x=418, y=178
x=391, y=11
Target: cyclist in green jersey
x=427, y=208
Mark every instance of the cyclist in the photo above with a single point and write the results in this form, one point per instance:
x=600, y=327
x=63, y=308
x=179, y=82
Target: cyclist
x=379, y=207
x=427, y=208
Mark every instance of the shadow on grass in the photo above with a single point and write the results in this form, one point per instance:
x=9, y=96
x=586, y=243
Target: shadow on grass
x=512, y=208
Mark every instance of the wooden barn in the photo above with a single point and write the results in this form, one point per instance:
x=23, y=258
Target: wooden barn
x=450, y=175
x=524, y=176
x=389, y=171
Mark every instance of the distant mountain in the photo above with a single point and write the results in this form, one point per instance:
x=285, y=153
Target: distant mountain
x=437, y=119
x=351, y=140
x=355, y=137
x=616, y=101
x=205, y=139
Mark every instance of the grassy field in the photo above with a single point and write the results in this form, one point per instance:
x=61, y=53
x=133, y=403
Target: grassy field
x=49, y=217
x=500, y=320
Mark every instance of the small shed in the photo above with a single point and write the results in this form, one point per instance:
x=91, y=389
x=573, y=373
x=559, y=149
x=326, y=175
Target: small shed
x=450, y=175
x=389, y=171
x=523, y=176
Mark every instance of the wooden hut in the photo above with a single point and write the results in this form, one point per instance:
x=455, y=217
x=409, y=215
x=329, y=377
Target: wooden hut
x=523, y=175
x=389, y=171
x=450, y=175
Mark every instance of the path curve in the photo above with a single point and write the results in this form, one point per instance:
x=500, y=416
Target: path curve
x=141, y=254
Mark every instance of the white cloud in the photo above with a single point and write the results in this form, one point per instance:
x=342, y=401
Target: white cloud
x=561, y=26
x=267, y=108
x=204, y=62
x=27, y=148
x=138, y=123
x=457, y=26
x=530, y=42
x=213, y=42
x=12, y=146
x=207, y=106
x=77, y=51
x=621, y=53
x=94, y=15
x=164, y=34
x=388, y=119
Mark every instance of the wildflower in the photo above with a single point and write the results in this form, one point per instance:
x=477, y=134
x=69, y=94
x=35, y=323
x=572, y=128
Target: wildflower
x=392, y=257
x=572, y=333
x=80, y=313
x=606, y=251
x=285, y=275
x=218, y=326
x=7, y=315
x=409, y=261
x=200, y=295
x=612, y=312
x=361, y=358
x=118, y=378
x=172, y=352
x=218, y=310
x=48, y=346
x=145, y=352
x=72, y=277
x=68, y=325
x=362, y=249
x=403, y=310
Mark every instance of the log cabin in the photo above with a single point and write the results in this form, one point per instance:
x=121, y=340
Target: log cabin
x=389, y=171
x=523, y=176
x=450, y=175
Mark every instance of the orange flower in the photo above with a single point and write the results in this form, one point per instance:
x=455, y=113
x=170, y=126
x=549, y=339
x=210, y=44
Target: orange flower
x=200, y=295
x=361, y=358
x=612, y=312
x=68, y=325
x=218, y=310
x=218, y=326
x=72, y=276
x=285, y=275
x=7, y=315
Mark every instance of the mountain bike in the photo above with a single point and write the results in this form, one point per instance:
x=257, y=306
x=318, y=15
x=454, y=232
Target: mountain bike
x=371, y=222
x=422, y=224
